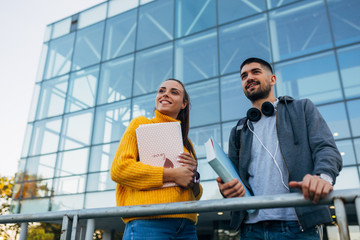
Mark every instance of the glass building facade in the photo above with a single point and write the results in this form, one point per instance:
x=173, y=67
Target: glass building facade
x=101, y=68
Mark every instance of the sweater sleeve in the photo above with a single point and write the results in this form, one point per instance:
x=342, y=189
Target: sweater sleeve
x=129, y=172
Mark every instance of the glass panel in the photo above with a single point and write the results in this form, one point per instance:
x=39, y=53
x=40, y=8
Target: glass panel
x=67, y=202
x=349, y=61
x=346, y=150
x=21, y=169
x=34, y=103
x=235, y=46
x=354, y=114
x=230, y=10
x=155, y=20
x=144, y=106
x=41, y=66
x=45, y=138
x=100, y=182
x=93, y=15
x=47, y=34
x=348, y=178
x=14, y=207
x=31, y=189
x=82, y=89
x=357, y=149
x=199, y=136
x=77, y=130
x=100, y=199
x=206, y=171
x=61, y=28
x=234, y=104
x=345, y=20
x=69, y=185
x=299, y=29
x=210, y=190
x=72, y=162
x=152, y=67
x=27, y=138
x=335, y=117
x=16, y=191
x=59, y=56
x=116, y=7
x=196, y=57
x=314, y=77
x=41, y=167
x=52, y=97
x=102, y=157
x=111, y=122
x=205, y=106
x=226, y=129
x=120, y=35
x=278, y=3
x=116, y=80
x=194, y=16
x=88, y=46
x=35, y=206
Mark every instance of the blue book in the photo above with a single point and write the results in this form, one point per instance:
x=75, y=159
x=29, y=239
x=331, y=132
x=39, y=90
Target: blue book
x=221, y=164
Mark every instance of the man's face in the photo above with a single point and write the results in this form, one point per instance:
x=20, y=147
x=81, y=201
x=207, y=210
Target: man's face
x=256, y=81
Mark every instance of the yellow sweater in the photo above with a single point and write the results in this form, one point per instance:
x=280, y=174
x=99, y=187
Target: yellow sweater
x=133, y=178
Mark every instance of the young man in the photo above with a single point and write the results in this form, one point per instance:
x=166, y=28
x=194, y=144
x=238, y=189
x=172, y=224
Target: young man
x=282, y=145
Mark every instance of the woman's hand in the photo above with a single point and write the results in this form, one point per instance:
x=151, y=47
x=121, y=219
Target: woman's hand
x=186, y=159
x=182, y=176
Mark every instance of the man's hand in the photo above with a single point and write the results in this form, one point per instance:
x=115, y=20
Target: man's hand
x=231, y=189
x=313, y=187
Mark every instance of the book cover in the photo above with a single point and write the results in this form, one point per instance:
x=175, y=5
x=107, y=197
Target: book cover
x=159, y=145
x=221, y=164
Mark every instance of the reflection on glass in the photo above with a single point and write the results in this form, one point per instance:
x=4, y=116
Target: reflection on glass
x=34, y=102
x=313, y=77
x=347, y=179
x=199, y=136
x=88, y=46
x=27, y=138
x=111, y=122
x=349, y=61
x=59, y=56
x=41, y=66
x=120, y=35
x=72, y=162
x=60, y=203
x=354, y=114
x=335, y=117
x=47, y=34
x=61, y=28
x=82, y=89
x=152, y=67
x=241, y=40
x=116, y=80
x=230, y=10
x=144, y=106
x=194, y=16
x=92, y=15
x=226, y=129
x=69, y=185
x=100, y=182
x=155, y=19
x=196, y=57
x=205, y=106
x=346, y=150
x=117, y=7
x=234, y=104
x=345, y=20
x=77, y=130
x=32, y=189
x=299, y=29
x=100, y=199
x=52, y=97
x=35, y=206
x=357, y=149
x=278, y=3
x=41, y=166
x=45, y=136
x=102, y=157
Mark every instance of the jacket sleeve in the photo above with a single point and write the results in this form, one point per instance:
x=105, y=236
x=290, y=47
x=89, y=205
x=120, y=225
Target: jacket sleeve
x=129, y=172
x=234, y=147
x=326, y=156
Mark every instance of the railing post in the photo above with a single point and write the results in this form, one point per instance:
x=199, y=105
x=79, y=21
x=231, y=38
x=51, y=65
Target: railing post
x=74, y=229
x=357, y=207
x=24, y=230
x=90, y=228
x=341, y=219
x=65, y=228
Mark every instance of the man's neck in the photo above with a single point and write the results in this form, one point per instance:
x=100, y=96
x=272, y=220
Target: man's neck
x=258, y=103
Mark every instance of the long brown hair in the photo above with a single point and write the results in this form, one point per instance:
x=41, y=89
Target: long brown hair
x=184, y=117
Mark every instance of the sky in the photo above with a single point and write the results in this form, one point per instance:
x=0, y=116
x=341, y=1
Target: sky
x=22, y=28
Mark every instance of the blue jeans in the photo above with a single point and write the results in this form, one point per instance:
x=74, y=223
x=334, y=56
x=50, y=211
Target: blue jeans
x=160, y=229
x=277, y=230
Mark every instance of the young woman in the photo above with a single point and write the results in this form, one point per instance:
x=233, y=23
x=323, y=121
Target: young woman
x=133, y=177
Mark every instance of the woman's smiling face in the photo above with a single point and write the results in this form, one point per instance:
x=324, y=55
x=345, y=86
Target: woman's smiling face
x=170, y=98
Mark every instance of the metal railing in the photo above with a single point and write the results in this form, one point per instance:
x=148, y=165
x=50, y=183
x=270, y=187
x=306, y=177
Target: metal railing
x=70, y=219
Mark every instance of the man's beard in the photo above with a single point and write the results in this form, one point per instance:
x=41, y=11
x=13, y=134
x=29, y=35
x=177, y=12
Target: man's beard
x=260, y=94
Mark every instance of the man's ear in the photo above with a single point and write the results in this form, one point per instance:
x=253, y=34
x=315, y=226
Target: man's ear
x=272, y=80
